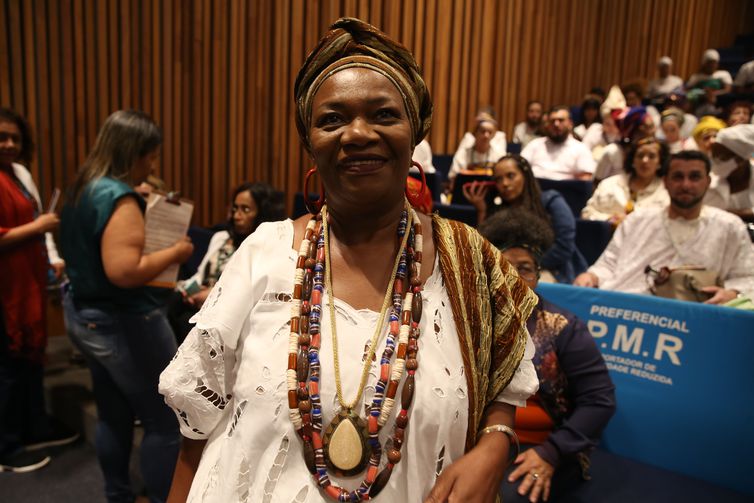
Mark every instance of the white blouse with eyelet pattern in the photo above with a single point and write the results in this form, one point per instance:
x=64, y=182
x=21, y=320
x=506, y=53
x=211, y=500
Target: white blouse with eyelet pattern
x=227, y=384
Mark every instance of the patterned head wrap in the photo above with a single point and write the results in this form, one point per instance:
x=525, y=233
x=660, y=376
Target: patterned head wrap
x=352, y=43
x=628, y=120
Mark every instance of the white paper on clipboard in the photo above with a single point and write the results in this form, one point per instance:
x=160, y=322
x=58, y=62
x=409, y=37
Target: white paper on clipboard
x=165, y=223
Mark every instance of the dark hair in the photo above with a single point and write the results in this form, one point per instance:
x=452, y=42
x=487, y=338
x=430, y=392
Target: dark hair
x=269, y=202
x=27, y=142
x=532, y=102
x=593, y=102
x=518, y=228
x=531, y=196
x=598, y=91
x=737, y=104
x=635, y=87
x=558, y=108
x=690, y=155
x=628, y=164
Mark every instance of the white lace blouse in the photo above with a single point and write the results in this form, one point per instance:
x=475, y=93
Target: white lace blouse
x=227, y=383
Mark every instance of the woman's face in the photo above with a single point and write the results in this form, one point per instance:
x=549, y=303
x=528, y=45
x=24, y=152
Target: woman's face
x=484, y=133
x=671, y=130
x=10, y=143
x=739, y=115
x=509, y=180
x=524, y=262
x=706, y=140
x=647, y=161
x=591, y=114
x=144, y=166
x=610, y=129
x=361, y=139
x=244, y=212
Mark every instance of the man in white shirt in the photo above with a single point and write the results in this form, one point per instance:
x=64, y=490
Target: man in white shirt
x=526, y=131
x=709, y=71
x=684, y=233
x=666, y=83
x=559, y=156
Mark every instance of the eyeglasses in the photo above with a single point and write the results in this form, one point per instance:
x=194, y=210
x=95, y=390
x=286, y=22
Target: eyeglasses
x=527, y=272
x=243, y=209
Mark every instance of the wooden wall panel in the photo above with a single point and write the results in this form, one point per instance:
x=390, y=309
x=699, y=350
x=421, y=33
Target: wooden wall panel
x=217, y=75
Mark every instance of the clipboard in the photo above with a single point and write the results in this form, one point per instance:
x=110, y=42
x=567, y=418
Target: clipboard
x=166, y=220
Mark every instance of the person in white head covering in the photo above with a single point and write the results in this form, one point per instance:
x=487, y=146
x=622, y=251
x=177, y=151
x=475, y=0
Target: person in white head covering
x=732, y=185
x=480, y=150
x=666, y=83
x=709, y=71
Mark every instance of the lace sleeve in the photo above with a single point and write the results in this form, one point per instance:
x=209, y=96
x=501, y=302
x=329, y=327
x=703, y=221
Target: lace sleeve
x=198, y=381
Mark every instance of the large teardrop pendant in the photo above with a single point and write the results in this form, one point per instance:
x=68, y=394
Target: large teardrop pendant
x=345, y=443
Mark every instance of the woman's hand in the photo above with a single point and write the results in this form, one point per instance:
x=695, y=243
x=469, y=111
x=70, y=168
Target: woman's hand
x=475, y=477
x=58, y=268
x=616, y=219
x=476, y=194
x=197, y=300
x=46, y=222
x=535, y=474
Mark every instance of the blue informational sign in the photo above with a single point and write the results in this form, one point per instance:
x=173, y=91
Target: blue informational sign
x=684, y=378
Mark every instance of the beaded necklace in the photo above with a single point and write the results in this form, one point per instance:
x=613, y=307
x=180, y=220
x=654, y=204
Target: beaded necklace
x=303, y=374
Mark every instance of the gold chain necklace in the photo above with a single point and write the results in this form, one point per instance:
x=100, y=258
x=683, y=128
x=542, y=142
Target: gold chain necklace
x=378, y=329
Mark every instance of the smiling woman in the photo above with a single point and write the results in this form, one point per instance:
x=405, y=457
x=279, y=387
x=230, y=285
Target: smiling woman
x=361, y=140
x=389, y=277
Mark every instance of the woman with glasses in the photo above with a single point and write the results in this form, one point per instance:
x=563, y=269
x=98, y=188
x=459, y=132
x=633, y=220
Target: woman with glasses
x=562, y=423
x=515, y=186
x=253, y=203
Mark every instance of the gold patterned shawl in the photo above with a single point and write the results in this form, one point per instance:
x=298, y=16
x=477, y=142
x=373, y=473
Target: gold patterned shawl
x=490, y=304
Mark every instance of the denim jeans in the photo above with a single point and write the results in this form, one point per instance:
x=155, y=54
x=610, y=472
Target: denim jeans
x=126, y=354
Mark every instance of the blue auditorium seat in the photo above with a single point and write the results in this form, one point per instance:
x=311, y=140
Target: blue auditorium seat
x=513, y=148
x=442, y=163
x=592, y=237
x=575, y=192
x=200, y=239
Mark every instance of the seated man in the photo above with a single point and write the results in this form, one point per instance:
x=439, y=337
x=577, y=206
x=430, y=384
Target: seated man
x=526, y=131
x=559, y=156
x=666, y=82
x=710, y=70
x=685, y=233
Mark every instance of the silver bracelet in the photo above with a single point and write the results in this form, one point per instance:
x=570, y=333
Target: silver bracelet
x=502, y=428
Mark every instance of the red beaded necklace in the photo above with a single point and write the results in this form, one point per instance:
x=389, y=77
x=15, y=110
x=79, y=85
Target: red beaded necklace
x=303, y=373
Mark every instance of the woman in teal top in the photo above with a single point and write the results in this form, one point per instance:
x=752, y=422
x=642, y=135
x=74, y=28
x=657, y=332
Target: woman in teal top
x=112, y=317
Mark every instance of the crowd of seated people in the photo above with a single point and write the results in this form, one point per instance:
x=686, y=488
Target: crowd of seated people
x=621, y=144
